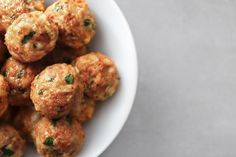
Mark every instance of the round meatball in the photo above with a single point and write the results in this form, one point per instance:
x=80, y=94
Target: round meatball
x=84, y=111
x=11, y=9
x=99, y=75
x=58, y=137
x=75, y=21
x=31, y=37
x=25, y=120
x=55, y=90
x=19, y=76
x=11, y=143
x=4, y=89
x=66, y=55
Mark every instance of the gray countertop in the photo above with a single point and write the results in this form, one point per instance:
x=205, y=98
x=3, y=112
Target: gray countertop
x=186, y=100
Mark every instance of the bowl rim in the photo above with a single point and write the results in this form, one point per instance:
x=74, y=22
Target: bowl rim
x=135, y=72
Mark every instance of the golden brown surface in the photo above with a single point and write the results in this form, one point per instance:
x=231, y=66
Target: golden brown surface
x=25, y=120
x=99, y=75
x=31, y=37
x=19, y=76
x=11, y=9
x=51, y=81
x=75, y=21
x=84, y=111
x=59, y=137
x=55, y=90
x=4, y=91
x=11, y=142
x=35, y=5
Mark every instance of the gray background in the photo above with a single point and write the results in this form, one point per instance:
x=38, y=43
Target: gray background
x=186, y=100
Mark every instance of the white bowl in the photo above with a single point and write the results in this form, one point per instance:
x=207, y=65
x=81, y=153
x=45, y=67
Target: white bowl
x=114, y=38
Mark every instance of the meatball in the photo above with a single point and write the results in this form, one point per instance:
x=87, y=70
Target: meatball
x=66, y=55
x=84, y=111
x=11, y=9
x=25, y=120
x=58, y=137
x=4, y=89
x=55, y=90
x=11, y=143
x=75, y=21
x=99, y=75
x=19, y=76
x=31, y=37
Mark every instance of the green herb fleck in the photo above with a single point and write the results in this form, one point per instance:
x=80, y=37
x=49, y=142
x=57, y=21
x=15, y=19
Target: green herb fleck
x=6, y=151
x=22, y=90
x=40, y=92
x=28, y=37
x=56, y=152
x=4, y=73
x=57, y=7
x=69, y=79
x=54, y=121
x=20, y=74
x=87, y=22
x=49, y=141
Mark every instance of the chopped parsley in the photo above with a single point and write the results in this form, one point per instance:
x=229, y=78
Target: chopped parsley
x=57, y=7
x=69, y=79
x=20, y=74
x=6, y=151
x=40, y=92
x=87, y=22
x=49, y=141
x=28, y=37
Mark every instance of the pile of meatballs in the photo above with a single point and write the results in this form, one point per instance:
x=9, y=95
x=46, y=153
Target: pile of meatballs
x=50, y=81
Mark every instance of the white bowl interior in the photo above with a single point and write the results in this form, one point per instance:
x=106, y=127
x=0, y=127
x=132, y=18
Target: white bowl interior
x=114, y=39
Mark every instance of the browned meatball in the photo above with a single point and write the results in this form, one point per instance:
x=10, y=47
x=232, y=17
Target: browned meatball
x=75, y=21
x=31, y=37
x=11, y=143
x=99, y=75
x=4, y=90
x=25, y=120
x=84, y=111
x=58, y=137
x=55, y=90
x=19, y=76
x=66, y=54
x=11, y=9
